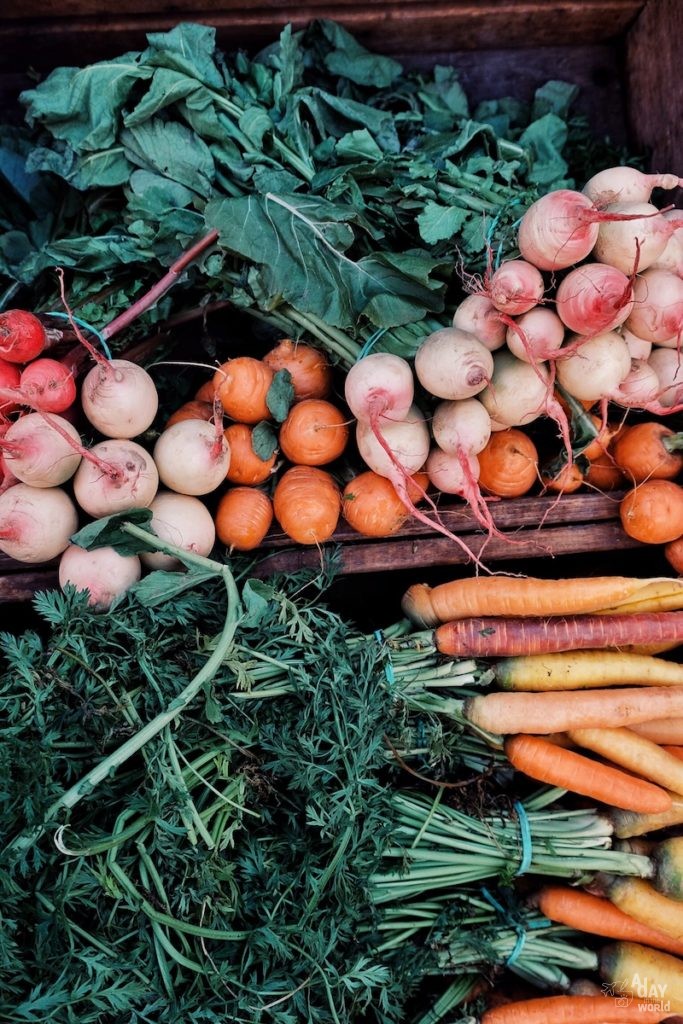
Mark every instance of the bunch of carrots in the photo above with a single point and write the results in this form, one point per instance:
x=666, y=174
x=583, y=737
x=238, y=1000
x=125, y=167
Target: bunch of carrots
x=584, y=701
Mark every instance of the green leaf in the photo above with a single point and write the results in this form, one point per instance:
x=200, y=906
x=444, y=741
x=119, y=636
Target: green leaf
x=108, y=532
x=545, y=139
x=190, y=49
x=349, y=59
x=256, y=597
x=280, y=395
x=358, y=145
x=172, y=150
x=264, y=440
x=166, y=88
x=438, y=222
x=161, y=585
x=554, y=97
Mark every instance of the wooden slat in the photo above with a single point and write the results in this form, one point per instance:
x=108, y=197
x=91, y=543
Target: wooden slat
x=655, y=105
x=21, y=586
x=86, y=30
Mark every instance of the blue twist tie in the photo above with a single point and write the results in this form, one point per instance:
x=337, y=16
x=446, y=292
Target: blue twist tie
x=87, y=327
x=388, y=667
x=525, y=835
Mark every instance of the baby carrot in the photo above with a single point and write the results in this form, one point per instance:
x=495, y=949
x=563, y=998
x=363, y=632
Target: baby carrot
x=546, y=762
x=578, y=670
x=575, y=1010
x=544, y=713
x=597, y=915
x=523, y=596
x=628, y=749
x=496, y=637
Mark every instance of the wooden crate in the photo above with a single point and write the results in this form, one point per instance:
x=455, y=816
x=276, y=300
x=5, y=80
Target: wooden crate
x=623, y=54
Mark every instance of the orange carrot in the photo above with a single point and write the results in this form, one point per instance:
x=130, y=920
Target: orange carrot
x=307, y=503
x=314, y=433
x=674, y=751
x=627, y=824
x=653, y=512
x=673, y=552
x=246, y=467
x=309, y=368
x=242, y=385
x=599, y=916
x=649, y=451
x=508, y=465
x=567, y=480
x=575, y=1010
x=493, y=637
x=543, y=713
x=192, y=410
x=547, y=762
x=523, y=596
x=669, y=730
x=243, y=517
x=371, y=505
x=635, y=753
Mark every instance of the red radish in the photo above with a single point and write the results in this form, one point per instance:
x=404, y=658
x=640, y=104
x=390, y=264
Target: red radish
x=119, y=398
x=192, y=457
x=43, y=452
x=103, y=572
x=377, y=385
x=116, y=475
x=632, y=246
x=657, y=313
x=638, y=347
x=668, y=365
x=48, y=385
x=593, y=298
x=515, y=287
x=558, y=230
x=452, y=364
x=462, y=427
x=36, y=523
x=22, y=336
x=535, y=336
x=626, y=185
x=183, y=521
x=477, y=315
x=10, y=375
x=596, y=366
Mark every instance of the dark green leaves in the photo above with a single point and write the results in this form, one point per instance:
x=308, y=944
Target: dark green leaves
x=280, y=396
x=108, y=532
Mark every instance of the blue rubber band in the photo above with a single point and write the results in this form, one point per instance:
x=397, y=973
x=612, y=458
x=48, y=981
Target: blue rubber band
x=517, y=951
x=493, y=901
x=525, y=835
x=370, y=343
x=388, y=667
x=505, y=914
x=88, y=327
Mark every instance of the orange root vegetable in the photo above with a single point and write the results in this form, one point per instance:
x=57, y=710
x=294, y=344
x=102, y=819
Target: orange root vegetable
x=597, y=915
x=674, y=751
x=314, y=433
x=523, y=596
x=628, y=825
x=575, y=1010
x=544, y=713
x=192, y=410
x=649, y=450
x=371, y=506
x=207, y=392
x=309, y=368
x=498, y=637
x=508, y=465
x=669, y=730
x=626, y=748
x=653, y=512
x=546, y=762
x=640, y=900
x=673, y=552
x=243, y=517
x=242, y=385
x=582, y=670
x=246, y=467
x=604, y=474
x=569, y=479
x=668, y=861
x=632, y=969
x=307, y=504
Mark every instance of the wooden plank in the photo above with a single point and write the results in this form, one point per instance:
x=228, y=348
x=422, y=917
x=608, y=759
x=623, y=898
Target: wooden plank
x=655, y=103
x=21, y=586
x=422, y=552
x=86, y=30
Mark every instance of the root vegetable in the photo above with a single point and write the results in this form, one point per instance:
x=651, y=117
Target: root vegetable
x=10, y=376
x=652, y=512
x=307, y=504
x=119, y=474
x=183, y=521
x=477, y=315
x=371, y=505
x=461, y=427
x=192, y=457
x=596, y=366
x=36, y=523
x=243, y=518
x=517, y=393
x=246, y=467
x=668, y=365
x=103, y=572
x=639, y=389
x=626, y=185
x=48, y=385
x=22, y=336
x=119, y=398
x=632, y=245
x=242, y=385
x=39, y=454
x=515, y=287
x=195, y=409
x=309, y=368
x=638, y=347
x=594, y=298
x=508, y=464
x=536, y=336
x=657, y=313
x=379, y=385
x=649, y=450
x=558, y=230
x=453, y=364
x=314, y=433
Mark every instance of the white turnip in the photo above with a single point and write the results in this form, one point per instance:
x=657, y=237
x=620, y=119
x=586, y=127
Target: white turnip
x=594, y=298
x=183, y=521
x=116, y=475
x=626, y=185
x=192, y=456
x=515, y=287
x=668, y=365
x=103, y=572
x=672, y=256
x=657, y=313
x=535, y=336
x=596, y=366
x=461, y=427
x=452, y=364
x=632, y=245
x=379, y=384
x=518, y=392
x=639, y=388
x=42, y=451
x=477, y=315
x=638, y=347
x=119, y=398
x=558, y=230
x=36, y=523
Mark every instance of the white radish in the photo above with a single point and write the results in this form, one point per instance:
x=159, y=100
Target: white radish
x=477, y=315
x=632, y=245
x=103, y=572
x=452, y=364
x=119, y=398
x=672, y=256
x=536, y=336
x=668, y=365
x=558, y=230
x=462, y=427
x=596, y=366
x=185, y=522
x=36, y=523
x=39, y=454
x=639, y=388
x=657, y=313
x=515, y=287
x=518, y=392
x=402, y=450
x=638, y=347
x=192, y=457
x=118, y=475
x=379, y=384
x=593, y=298
x=626, y=185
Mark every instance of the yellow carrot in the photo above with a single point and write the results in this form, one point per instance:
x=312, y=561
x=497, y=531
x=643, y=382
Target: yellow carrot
x=641, y=901
x=640, y=755
x=577, y=670
x=628, y=825
x=645, y=973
